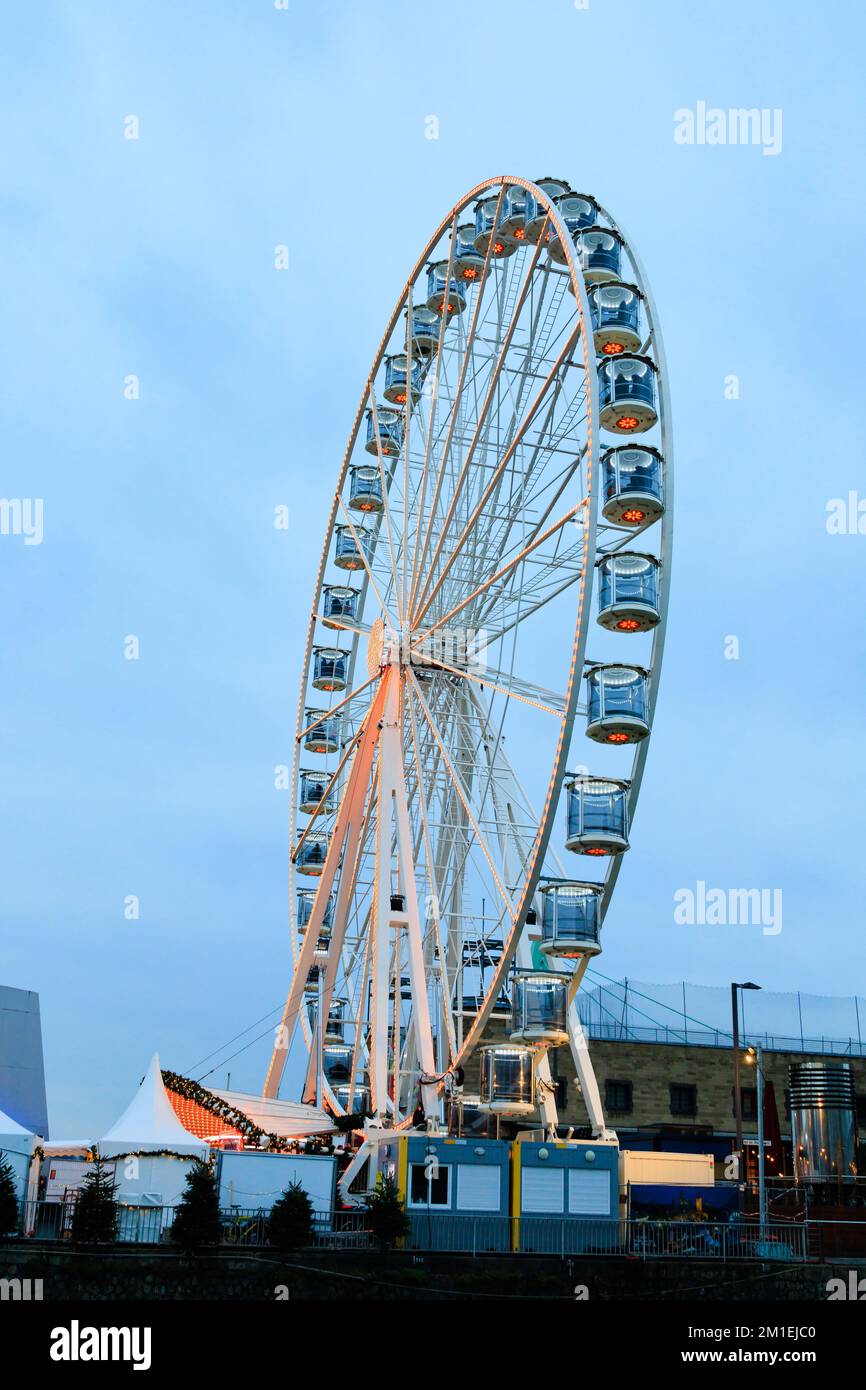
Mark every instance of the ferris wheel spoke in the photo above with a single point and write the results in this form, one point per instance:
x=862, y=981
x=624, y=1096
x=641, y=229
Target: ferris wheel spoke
x=461, y=792
x=424, y=603
x=502, y=571
x=498, y=367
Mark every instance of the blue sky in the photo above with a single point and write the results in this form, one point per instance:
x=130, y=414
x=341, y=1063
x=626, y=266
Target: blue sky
x=155, y=257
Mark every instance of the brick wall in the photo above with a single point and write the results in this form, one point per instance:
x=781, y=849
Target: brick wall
x=653, y=1067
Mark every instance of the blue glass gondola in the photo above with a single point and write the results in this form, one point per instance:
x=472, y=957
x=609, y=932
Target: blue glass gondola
x=402, y=379
x=324, y=731
x=353, y=1102
x=536, y=212
x=632, y=485
x=444, y=296
x=599, y=251
x=306, y=898
x=576, y=210
x=628, y=592
x=389, y=424
x=347, y=555
x=507, y=1080
x=425, y=329
x=310, y=857
x=313, y=789
x=330, y=667
x=337, y=1062
x=570, y=919
x=615, y=313
x=617, y=704
x=365, y=488
x=339, y=601
x=627, y=394
x=596, y=816
x=515, y=202
x=539, y=1007
x=468, y=261
x=488, y=227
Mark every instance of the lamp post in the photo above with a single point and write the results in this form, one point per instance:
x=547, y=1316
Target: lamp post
x=755, y=1055
x=738, y=1100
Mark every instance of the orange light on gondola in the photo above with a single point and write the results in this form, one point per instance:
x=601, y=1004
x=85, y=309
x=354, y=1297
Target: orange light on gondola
x=628, y=625
x=611, y=349
x=470, y=273
x=627, y=422
x=498, y=247
x=596, y=852
x=617, y=738
x=633, y=516
x=519, y=234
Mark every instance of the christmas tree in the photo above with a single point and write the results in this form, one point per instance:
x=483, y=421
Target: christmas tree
x=388, y=1220
x=94, y=1221
x=8, y=1199
x=290, y=1224
x=197, y=1219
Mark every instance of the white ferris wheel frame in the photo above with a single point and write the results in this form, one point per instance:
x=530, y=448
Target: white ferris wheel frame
x=371, y=740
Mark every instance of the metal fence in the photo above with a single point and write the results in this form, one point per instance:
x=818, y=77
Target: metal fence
x=472, y=1235
x=149, y=1225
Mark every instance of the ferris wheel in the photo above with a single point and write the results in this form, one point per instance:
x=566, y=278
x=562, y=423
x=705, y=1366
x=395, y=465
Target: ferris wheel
x=493, y=586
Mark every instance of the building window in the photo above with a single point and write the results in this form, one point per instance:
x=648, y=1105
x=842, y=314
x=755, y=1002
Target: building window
x=684, y=1100
x=748, y=1102
x=429, y=1186
x=618, y=1097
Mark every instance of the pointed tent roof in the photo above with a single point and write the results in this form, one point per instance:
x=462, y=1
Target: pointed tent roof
x=14, y=1138
x=149, y=1123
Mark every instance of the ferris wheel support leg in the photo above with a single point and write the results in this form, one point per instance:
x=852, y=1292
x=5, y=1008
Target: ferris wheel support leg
x=393, y=799
x=586, y=1076
x=352, y=1199
x=358, y=777
x=546, y=1096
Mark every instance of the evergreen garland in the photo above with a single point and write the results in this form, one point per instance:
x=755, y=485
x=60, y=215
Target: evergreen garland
x=229, y=1114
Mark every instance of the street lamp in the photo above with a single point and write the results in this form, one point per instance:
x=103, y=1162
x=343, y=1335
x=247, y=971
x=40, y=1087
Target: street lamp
x=755, y=1054
x=738, y=1102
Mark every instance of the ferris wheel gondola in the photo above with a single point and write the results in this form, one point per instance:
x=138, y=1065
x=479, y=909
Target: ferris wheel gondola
x=480, y=521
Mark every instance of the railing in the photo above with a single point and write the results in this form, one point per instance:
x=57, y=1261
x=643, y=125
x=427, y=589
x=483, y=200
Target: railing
x=564, y=1236
x=480, y=1235
x=148, y=1225
x=686, y=1036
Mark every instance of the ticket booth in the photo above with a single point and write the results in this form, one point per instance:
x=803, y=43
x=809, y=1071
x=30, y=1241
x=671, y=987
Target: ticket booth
x=456, y=1192
x=565, y=1196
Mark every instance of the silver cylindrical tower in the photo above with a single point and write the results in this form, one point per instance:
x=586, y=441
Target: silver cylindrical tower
x=823, y=1120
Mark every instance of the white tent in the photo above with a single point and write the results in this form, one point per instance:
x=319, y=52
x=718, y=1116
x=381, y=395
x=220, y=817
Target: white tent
x=153, y=1154
x=16, y=1147
x=149, y=1124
